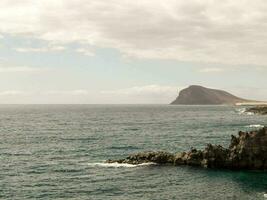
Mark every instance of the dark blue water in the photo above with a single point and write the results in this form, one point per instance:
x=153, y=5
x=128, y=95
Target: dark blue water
x=57, y=151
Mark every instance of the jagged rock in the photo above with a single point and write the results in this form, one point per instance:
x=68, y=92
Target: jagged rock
x=214, y=156
x=179, y=158
x=261, y=110
x=159, y=157
x=194, y=157
x=250, y=152
x=247, y=151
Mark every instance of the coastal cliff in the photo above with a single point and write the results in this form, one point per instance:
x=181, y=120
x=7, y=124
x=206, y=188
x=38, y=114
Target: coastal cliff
x=198, y=95
x=248, y=150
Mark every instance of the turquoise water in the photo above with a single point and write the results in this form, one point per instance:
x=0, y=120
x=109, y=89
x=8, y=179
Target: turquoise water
x=57, y=151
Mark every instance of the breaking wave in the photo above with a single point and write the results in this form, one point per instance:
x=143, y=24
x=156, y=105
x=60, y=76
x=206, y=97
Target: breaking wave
x=255, y=126
x=117, y=165
x=243, y=111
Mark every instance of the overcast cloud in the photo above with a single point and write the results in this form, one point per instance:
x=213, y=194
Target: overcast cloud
x=232, y=32
x=124, y=51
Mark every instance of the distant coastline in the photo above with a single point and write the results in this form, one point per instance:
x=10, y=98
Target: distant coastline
x=256, y=103
x=199, y=95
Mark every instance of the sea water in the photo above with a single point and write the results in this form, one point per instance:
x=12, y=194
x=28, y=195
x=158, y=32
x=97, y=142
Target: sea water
x=58, y=152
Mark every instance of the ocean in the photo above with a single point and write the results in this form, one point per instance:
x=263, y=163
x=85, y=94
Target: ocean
x=58, y=152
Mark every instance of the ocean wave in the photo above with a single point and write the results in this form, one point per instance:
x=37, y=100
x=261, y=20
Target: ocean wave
x=117, y=165
x=249, y=113
x=243, y=111
x=124, y=147
x=255, y=126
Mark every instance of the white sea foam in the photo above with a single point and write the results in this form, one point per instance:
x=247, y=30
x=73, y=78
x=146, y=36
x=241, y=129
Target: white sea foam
x=243, y=111
x=265, y=195
x=249, y=113
x=117, y=165
x=255, y=126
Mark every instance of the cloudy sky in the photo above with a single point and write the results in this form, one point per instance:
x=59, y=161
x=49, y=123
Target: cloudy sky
x=124, y=51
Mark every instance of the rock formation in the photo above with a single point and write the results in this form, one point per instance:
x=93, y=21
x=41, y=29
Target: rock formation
x=246, y=151
x=262, y=110
x=198, y=95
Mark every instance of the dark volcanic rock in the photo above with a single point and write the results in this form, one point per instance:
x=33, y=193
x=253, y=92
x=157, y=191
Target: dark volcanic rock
x=215, y=156
x=246, y=151
x=249, y=150
x=159, y=157
x=198, y=95
x=262, y=110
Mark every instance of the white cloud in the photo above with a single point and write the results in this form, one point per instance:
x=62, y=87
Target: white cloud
x=41, y=49
x=145, y=94
x=211, y=70
x=86, y=52
x=144, y=90
x=22, y=69
x=2, y=59
x=248, y=92
x=78, y=92
x=12, y=93
x=232, y=32
x=66, y=92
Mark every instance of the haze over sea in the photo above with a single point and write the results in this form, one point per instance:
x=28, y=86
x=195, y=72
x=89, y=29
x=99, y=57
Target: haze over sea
x=57, y=152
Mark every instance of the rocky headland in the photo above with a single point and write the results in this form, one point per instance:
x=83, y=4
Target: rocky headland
x=261, y=110
x=248, y=150
x=199, y=95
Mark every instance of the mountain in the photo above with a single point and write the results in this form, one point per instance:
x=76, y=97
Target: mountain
x=198, y=95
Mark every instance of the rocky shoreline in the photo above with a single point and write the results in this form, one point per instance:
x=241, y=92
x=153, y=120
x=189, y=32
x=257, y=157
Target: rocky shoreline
x=262, y=110
x=248, y=150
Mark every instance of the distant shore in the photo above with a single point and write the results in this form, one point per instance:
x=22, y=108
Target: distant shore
x=255, y=103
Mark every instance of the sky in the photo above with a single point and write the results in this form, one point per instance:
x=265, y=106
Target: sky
x=130, y=52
